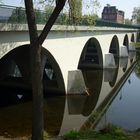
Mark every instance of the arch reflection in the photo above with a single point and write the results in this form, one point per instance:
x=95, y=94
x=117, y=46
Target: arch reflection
x=16, y=114
x=85, y=104
x=131, y=56
x=123, y=63
x=93, y=81
x=110, y=75
x=53, y=114
x=113, y=81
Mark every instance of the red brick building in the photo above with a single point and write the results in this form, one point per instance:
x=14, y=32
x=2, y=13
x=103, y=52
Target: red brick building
x=111, y=13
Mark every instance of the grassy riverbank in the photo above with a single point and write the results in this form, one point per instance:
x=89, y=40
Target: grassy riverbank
x=111, y=132
x=137, y=44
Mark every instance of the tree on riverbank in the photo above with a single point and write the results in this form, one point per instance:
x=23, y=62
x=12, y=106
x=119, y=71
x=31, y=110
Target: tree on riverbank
x=69, y=16
x=18, y=15
x=75, y=11
x=36, y=70
x=136, y=15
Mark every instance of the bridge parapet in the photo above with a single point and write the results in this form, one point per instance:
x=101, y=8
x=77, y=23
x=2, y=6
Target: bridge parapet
x=24, y=27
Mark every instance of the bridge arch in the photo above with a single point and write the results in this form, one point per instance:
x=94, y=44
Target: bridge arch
x=132, y=38
x=114, y=49
x=91, y=56
x=126, y=41
x=14, y=62
x=53, y=73
x=20, y=62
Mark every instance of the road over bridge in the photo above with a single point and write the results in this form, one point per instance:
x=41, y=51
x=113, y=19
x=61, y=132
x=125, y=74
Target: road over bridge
x=66, y=53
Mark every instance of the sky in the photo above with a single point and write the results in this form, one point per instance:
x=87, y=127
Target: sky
x=126, y=5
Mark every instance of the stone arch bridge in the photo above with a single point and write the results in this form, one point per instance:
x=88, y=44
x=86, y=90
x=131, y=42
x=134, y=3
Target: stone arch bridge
x=66, y=52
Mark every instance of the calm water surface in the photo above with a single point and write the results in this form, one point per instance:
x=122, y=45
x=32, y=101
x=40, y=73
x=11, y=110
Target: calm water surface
x=62, y=114
x=124, y=110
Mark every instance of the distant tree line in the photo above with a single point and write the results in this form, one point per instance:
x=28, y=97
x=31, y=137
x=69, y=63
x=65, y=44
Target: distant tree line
x=71, y=18
x=19, y=16
x=136, y=15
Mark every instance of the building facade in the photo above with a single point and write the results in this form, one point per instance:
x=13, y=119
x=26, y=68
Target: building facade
x=111, y=13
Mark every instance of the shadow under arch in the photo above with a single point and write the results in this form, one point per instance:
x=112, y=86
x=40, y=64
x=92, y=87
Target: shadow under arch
x=56, y=77
x=91, y=56
x=16, y=60
x=126, y=41
x=19, y=59
x=114, y=49
x=132, y=38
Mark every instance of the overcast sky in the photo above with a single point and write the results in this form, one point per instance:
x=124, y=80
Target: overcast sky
x=125, y=5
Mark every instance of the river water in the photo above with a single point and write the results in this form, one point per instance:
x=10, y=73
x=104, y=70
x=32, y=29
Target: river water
x=113, y=98
x=124, y=110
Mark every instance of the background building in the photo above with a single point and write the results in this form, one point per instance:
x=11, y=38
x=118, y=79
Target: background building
x=111, y=13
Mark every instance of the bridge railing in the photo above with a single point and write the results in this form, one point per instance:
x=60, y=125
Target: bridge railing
x=113, y=24
x=12, y=14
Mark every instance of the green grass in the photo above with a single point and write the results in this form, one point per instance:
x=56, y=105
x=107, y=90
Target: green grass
x=137, y=44
x=72, y=135
x=110, y=132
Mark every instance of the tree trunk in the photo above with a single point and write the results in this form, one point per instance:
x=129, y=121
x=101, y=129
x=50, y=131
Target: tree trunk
x=35, y=59
x=37, y=89
x=36, y=74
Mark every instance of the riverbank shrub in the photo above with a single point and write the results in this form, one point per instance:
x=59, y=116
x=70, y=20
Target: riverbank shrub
x=137, y=44
x=72, y=135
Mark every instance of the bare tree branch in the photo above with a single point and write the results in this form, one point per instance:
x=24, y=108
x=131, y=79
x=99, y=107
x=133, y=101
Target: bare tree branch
x=59, y=6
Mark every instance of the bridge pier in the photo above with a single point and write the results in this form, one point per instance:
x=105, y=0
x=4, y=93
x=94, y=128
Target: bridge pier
x=131, y=48
x=123, y=51
x=76, y=83
x=109, y=61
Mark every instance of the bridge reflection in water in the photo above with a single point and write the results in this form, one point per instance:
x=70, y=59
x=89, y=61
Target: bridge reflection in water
x=64, y=113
